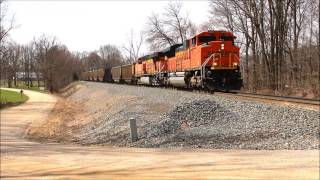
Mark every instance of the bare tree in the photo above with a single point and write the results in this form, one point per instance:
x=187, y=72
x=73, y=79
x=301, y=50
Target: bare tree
x=172, y=27
x=110, y=55
x=178, y=23
x=51, y=62
x=42, y=46
x=6, y=25
x=132, y=47
x=226, y=15
x=6, y=22
x=222, y=13
x=11, y=63
x=60, y=67
x=279, y=40
x=158, y=36
x=94, y=61
x=28, y=60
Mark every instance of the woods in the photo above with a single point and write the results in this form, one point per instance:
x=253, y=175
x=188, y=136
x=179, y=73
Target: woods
x=279, y=41
x=44, y=61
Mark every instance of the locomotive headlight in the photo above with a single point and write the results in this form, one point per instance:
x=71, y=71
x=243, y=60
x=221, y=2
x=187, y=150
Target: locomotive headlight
x=215, y=64
x=222, y=46
x=235, y=64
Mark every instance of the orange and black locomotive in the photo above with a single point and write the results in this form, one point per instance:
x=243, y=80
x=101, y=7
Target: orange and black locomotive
x=208, y=60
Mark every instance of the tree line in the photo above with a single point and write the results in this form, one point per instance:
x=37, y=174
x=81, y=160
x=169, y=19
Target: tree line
x=47, y=62
x=279, y=40
x=279, y=43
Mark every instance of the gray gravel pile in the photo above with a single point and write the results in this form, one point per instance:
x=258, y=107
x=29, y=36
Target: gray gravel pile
x=194, y=114
x=207, y=124
x=170, y=118
x=186, y=124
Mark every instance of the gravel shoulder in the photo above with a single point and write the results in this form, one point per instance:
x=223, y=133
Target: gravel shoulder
x=25, y=159
x=98, y=113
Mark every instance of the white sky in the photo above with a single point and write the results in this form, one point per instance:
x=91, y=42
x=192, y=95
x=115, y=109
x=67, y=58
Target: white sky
x=85, y=25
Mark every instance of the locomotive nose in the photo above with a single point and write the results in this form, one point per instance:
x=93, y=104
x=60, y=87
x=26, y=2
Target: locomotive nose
x=222, y=46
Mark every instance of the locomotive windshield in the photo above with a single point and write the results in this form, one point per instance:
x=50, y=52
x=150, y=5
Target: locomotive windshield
x=205, y=39
x=227, y=38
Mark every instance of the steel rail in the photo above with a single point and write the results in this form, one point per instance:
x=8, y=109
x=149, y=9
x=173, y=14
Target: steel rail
x=246, y=95
x=275, y=98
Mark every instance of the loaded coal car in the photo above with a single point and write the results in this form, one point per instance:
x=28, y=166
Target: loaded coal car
x=123, y=74
x=100, y=75
x=127, y=74
x=116, y=74
x=91, y=75
x=84, y=76
x=94, y=75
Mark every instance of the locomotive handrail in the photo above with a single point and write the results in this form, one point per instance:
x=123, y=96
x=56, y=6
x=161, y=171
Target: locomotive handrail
x=159, y=72
x=236, y=56
x=204, y=65
x=161, y=68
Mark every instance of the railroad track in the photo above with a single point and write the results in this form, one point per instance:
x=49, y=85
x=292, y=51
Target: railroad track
x=273, y=97
x=304, y=101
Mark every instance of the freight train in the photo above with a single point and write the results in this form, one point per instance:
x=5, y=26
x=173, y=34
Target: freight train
x=209, y=60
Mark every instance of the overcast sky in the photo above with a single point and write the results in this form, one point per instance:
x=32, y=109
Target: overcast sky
x=85, y=25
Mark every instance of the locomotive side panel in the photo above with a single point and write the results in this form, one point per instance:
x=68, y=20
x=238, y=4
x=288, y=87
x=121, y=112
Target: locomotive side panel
x=162, y=65
x=140, y=70
x=179, y=64
x=172, y=64
x=195, y=58
x=186, y=61
x=150, y=66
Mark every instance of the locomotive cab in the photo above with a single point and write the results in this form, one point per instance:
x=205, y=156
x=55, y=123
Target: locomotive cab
x=221, y=44
x=222, y=71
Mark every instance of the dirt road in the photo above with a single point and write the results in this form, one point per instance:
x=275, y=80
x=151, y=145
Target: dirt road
x=23, y=159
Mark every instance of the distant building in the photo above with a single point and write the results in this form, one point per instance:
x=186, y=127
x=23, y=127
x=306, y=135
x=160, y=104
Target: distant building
x=23, y=76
